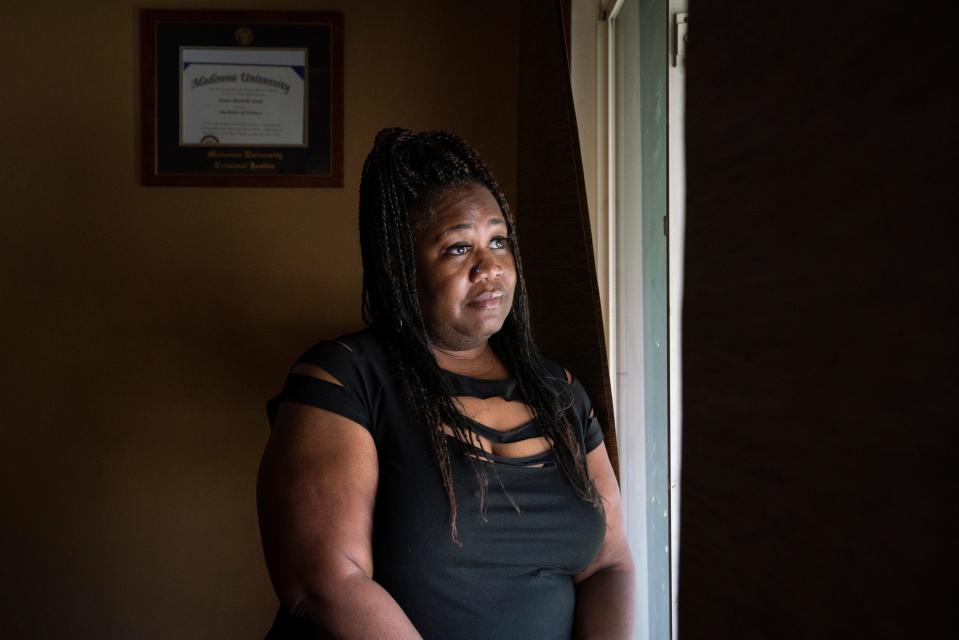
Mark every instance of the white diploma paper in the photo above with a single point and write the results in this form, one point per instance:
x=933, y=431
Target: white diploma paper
x=243, y=96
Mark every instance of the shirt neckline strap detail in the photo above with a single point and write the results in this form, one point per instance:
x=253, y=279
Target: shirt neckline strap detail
x=520, y=461
x=483, y=389
x=525, y=431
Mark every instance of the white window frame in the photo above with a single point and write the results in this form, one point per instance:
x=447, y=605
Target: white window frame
x=593, y=74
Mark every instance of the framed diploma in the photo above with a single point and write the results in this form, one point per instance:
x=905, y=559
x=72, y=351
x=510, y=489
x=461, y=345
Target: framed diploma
x=242, y=98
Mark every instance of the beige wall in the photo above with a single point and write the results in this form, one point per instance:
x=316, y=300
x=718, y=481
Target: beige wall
x=143, y=328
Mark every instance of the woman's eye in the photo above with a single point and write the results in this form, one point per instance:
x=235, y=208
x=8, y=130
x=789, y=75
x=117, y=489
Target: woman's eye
x=458, y=249
x=500, y=242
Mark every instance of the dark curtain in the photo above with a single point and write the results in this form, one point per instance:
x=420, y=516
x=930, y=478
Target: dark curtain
x=551, y=212
x=820, y=321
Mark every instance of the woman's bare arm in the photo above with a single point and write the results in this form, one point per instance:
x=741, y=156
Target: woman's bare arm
x=605, y=589
x=315, y=495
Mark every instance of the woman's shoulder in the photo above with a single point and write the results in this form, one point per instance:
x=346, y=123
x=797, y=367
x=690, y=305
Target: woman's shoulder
x=359, y=357
x=558, y=372
x=565, y=379
x=580, y=406
x=361, y=347
x=366, y=340
x=354, y=362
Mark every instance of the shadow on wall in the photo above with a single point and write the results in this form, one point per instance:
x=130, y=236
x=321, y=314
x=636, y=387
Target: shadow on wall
x=148, y=347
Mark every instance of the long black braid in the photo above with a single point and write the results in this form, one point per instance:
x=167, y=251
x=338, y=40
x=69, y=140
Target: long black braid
x=401, y=174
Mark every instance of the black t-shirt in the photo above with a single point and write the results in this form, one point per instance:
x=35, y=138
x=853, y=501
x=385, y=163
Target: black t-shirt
x=513, y=575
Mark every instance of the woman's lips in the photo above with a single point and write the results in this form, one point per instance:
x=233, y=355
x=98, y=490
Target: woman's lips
x=487, y=300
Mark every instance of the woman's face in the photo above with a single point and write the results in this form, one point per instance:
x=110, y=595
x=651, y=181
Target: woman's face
x=465, y=269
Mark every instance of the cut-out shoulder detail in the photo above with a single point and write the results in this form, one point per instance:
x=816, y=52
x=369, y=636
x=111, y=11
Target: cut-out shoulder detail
x=346, y=346
x=304, y=369
x=569, y=376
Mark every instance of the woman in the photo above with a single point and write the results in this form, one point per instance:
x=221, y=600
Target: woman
x=433, y=476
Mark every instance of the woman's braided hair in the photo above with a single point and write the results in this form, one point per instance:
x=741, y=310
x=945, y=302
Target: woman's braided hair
x=402, y=173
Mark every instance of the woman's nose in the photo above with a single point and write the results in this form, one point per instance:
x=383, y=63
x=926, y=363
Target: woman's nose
x=486, y=266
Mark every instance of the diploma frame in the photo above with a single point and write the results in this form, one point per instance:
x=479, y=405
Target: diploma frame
x=299, y=142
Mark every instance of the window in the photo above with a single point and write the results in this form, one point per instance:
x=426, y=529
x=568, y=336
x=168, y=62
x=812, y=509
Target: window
x=629, y=97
